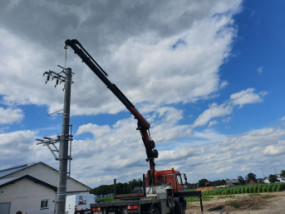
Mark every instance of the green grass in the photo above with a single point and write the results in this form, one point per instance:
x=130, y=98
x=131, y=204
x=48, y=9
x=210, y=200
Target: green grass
x=197, y=199
x=189, y=190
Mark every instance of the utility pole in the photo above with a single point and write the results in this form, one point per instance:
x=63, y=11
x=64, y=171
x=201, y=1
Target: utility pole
x=64, y=139
x=63, y=148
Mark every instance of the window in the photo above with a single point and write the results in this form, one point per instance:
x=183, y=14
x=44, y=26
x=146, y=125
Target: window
x=179, y=179
x=44, y=204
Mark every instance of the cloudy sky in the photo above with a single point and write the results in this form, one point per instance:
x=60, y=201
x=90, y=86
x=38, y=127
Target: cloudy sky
x=207, y=75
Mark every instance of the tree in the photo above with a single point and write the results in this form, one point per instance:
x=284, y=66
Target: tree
x=241, y=180
x=282, y=175
x=218, y=182
x=251, y=177
x=203, y=182
x=121, y=188
x=273, y=178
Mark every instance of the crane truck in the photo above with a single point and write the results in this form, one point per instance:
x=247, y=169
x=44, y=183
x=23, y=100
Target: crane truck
x=162, y=191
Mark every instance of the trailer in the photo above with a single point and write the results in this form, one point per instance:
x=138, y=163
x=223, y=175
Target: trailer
x=79, y=203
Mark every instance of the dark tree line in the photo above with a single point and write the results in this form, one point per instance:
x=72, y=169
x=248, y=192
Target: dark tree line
x=251, y=177
x=204, y=182
x=121, y=188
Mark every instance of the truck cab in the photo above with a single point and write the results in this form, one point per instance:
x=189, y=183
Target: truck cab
x=169, y=177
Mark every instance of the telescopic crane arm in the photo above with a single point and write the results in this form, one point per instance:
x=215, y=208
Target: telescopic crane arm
x=143, y=125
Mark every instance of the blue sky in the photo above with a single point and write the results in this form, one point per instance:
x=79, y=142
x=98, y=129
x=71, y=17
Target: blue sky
x=207, y=75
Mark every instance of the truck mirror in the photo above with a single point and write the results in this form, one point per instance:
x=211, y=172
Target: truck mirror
x=185, y=178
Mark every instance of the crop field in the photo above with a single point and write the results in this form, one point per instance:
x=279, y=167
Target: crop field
x=258, y=188
x=259, y=199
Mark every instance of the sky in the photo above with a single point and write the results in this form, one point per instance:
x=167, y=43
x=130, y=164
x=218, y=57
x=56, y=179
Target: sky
x=207, y=75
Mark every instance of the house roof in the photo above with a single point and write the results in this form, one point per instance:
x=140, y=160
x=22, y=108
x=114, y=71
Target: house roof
x=9, y=171
x=8, y=181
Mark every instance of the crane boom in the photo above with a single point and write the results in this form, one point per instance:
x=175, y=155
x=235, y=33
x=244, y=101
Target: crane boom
x=143, y=125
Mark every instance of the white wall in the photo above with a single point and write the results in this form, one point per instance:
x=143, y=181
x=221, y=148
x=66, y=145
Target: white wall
x=26, y=195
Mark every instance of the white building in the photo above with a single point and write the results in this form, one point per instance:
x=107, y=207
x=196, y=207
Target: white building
x=31, y=188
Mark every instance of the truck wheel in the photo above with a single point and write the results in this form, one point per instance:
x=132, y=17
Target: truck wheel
x=155, y=210
x=182, y=208
x=179, y=208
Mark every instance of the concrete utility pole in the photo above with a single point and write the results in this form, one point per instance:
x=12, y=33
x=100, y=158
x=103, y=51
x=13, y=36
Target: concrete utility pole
x=64, y=139
x=63, y=148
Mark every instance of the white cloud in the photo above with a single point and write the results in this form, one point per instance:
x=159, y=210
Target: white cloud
x=260, y=70
x=19, y=145
x=224, y=169
x=212, y=123
x=213, y=111
x=247, y=96
x=224, y=84
x=276, y=149
x=240, y=99
x=118, y=152
x=9, y=115
x=146, y=66
x=271, y=150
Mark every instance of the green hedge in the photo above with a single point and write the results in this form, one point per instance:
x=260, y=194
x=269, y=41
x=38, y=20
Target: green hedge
x=274, y=187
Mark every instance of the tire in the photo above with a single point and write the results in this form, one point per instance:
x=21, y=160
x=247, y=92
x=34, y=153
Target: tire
x=155, y=210
x=179, y=208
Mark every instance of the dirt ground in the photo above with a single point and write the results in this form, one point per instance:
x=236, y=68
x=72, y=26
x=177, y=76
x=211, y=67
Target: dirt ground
x=263, y=203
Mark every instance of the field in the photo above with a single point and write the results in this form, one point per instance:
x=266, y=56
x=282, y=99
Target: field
x=253, y=203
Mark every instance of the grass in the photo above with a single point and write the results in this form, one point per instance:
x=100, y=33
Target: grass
x=226, y=196
x=189, y=190
x=197, y=199
x=269, y=196
x=235, y=205
x=253, y=195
